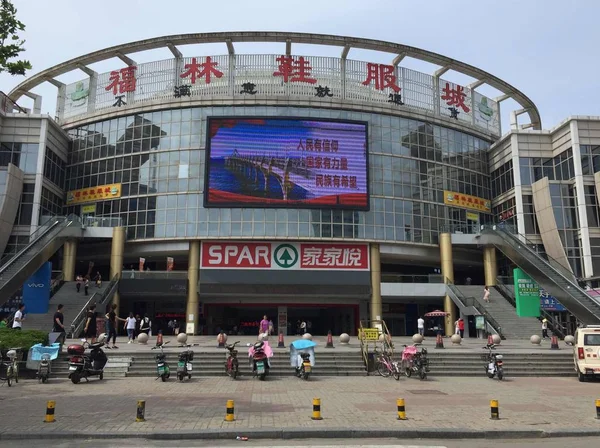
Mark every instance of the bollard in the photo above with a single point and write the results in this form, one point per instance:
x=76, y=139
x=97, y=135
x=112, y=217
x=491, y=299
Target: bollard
x=140, y=411
x=401, y=409
x=316, y=413
x=280, y=343
x=598, y=409
x=439, y=341
x=554, y=343
x=50, y=412
x=494, y=410
x=230, y=413
x=329, y=340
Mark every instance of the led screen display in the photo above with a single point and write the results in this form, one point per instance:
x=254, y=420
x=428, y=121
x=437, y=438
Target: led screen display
x=281, y=162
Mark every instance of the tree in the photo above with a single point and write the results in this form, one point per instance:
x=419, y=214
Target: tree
x=10, y=43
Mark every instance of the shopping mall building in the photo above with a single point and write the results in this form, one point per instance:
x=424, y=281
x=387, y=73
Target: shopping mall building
x=217, y=189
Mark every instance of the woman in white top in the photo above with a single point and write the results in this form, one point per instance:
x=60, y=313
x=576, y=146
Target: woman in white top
x=486, y=294
x=130, y=327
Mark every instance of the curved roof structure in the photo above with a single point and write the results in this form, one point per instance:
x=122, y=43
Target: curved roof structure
x=398, y=51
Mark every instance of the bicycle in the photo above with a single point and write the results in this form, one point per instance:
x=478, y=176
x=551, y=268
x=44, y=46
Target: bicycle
x=12, y=366
x=387, y=367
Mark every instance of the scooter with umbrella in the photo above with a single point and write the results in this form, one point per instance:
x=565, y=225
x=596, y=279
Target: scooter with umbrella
x=437, y=314
x=302, y=357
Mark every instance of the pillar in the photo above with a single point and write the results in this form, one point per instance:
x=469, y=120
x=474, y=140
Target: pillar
x=116, y=258
x=69, y=260
x=376, y=313
x=448, y=274
x=490, y=266
x=191, y=310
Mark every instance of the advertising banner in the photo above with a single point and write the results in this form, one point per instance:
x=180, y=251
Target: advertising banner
x=36, y=290
x=527, y=294
x=284, y=256
x=480, y=322
x=92, y=194
x=170, y=263
x=281, y=162
x=88, y=209
x=549, y=303
x=466, y=201
x=472, y=216
x=142, y=261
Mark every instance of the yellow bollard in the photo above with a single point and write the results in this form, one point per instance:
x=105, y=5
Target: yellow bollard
x=230, y=415
x=598, y=409
x=495, y=410
x=316, y=413
x=50, y=412
x=401, y=409
x=141, y=411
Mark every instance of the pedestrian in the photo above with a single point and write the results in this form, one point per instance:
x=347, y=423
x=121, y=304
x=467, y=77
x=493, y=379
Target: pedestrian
x=456, y=330
x=175, y=327
x=298, y=323
x=86, y=285
x=132, y=275
x=98, y=280
x=544, y=328
x=486, y=294
x=263, y=326
x=58, y=323
x=78, y=284
x=308, y=326
x=138, y=325
x=170, y=325
x=19, y=318
x=271, y=328
x=302, y=327
x=468, y=281
x=130, y=327
x=145, y=325
x=461, y=327
x=421, y=326
x=90, y=329
x=111, y=325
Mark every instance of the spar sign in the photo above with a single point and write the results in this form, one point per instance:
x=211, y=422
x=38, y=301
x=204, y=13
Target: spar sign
x=284, y=255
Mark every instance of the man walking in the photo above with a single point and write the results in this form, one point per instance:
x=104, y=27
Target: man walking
x=461, y=327
x=421, y=326
x=544, y=328
x=90, y=323
x=86, y=285
x=78, y=285
x=111, y=324
x=19, y=318
x=58, y=324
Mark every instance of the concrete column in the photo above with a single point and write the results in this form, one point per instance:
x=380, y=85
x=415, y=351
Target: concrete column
x=448, y=274
x=69, y=260
x=376, y=313
x=116, y=258
x=191, y=309
x=490, y=266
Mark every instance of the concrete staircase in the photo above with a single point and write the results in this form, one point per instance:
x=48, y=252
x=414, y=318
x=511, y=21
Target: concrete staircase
x=513, y=326
x=117, y=366
x=73, y=302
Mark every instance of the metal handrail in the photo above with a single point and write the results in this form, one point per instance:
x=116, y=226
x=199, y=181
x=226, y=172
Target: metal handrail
x=80, y=318
x=570, y=278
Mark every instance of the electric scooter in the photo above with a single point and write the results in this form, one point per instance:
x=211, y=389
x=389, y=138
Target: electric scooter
x=162, y=366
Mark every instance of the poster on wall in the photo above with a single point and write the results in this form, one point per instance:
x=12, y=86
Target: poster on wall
x=286, y=162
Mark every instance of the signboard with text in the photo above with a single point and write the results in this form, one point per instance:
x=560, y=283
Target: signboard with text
x=550, y=303
x=467, y=201
x=280, y=162
x=284, y=256
x=527, y=294
x=92, y=194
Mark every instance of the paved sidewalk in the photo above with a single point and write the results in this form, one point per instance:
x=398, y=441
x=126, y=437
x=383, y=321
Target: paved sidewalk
x=281, y=407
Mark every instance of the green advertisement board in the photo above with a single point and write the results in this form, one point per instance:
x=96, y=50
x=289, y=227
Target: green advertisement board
x=527, y=294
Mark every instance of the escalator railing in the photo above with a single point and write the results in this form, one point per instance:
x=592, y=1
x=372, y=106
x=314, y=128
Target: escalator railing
x=551, y=274
x=460, y=299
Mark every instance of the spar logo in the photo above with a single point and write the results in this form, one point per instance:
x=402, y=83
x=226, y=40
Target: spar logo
x=285, y=256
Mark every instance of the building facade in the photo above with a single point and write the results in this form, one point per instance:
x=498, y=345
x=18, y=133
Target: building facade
x=303, y=187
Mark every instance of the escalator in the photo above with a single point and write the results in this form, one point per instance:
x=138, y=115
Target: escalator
x=17, y=267
x=548, y=273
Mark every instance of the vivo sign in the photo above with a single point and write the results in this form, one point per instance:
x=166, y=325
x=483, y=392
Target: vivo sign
x=35, y=285
x=36, y=290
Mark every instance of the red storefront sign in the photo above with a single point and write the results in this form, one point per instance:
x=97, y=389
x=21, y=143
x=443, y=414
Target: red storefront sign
x=284, y=255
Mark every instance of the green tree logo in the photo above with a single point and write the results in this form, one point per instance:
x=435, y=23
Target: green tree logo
x=285, y=255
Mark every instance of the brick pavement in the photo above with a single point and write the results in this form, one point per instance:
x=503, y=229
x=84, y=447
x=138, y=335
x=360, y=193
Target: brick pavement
x=354, y=402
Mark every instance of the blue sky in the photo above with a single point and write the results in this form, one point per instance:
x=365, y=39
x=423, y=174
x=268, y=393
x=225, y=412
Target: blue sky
x=546, y=48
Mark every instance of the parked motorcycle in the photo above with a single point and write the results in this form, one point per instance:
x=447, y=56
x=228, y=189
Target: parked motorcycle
x=232, y=367
x=162, y=366
x=260, y=354
x=184, y=365
x=493, y=362
x=302, y=357
x=44, y=369
x=415, y=361
x=82, y=365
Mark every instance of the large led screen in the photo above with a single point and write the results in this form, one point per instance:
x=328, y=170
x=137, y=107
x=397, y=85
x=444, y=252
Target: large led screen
x=281, y=162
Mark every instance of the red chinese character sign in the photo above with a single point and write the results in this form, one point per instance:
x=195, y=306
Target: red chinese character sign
x=122, y=81
x=454, y=97
x=294, y=70
x=382, y=76
x=204, y=70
